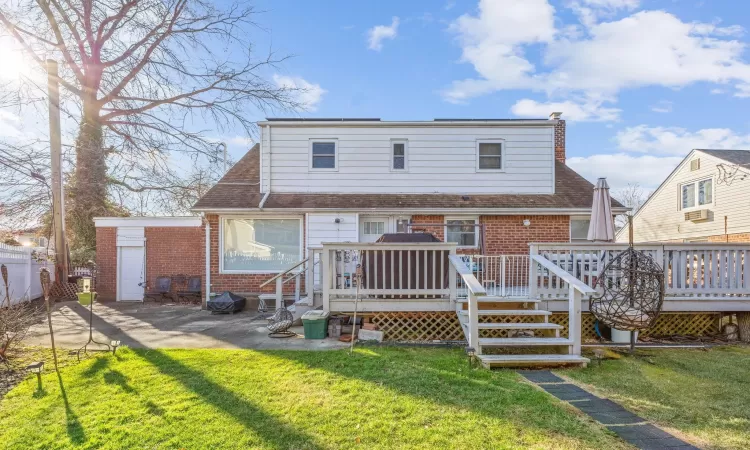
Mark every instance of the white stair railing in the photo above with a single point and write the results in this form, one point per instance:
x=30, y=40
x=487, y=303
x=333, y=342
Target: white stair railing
x=576, y=292
x=475, y=291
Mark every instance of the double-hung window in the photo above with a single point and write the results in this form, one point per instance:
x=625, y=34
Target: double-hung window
x=399, y=149
x=323, y=154
x=579, y=228
x=462, y=231
x=697, y=193
x=490, y=155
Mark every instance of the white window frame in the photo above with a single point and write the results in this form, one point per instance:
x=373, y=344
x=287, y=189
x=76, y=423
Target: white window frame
x=578, y=219
x=696, y=191
x=335, y=143
x=220, y=249
x=476, y=230
x=406, y=155
x=502, y=154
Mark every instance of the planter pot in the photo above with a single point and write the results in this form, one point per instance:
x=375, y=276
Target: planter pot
x=622, y=336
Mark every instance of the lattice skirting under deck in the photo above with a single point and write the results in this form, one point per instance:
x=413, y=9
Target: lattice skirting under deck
x=444, y=326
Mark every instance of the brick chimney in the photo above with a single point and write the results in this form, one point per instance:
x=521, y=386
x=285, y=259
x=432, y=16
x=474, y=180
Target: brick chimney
x=559, y=136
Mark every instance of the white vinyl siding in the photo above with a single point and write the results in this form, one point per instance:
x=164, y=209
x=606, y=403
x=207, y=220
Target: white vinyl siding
x=662, y=218
x=323, y=228
x=439, y=159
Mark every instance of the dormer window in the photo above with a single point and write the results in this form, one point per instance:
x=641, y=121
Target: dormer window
x=399, y=150
x=323, y=154
x=490, y=155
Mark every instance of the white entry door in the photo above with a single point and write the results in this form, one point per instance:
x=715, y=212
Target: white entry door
x=371, y=228
x=130, y=273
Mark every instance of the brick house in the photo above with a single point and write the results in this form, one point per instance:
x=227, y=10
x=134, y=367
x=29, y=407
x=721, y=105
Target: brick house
x=492, y=186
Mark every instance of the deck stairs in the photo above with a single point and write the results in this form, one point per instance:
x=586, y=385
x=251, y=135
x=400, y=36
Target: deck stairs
x=514, y=332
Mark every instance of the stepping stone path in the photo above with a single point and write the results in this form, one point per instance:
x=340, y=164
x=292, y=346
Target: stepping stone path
x=630, y=427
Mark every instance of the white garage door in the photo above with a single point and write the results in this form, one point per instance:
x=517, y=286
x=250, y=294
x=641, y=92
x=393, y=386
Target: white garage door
x=131, y=273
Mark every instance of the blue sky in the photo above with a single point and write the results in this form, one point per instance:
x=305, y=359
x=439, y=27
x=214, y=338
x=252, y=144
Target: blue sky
x=640, y=83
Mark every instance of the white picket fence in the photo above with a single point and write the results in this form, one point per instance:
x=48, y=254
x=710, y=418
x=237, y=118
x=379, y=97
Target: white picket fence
x=23, y=264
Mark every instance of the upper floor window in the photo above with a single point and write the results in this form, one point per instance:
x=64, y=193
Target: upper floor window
x=462, y=231
x=398, y=154
x=323, y=154
x=697, y=193
x=490, y=155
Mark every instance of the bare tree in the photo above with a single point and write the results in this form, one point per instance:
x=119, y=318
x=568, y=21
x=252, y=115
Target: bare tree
x=15, y=322
x=632, y=196
x=146, y=78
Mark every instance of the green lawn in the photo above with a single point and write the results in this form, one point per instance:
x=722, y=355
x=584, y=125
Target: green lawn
x=704, y=394
x=377, y=398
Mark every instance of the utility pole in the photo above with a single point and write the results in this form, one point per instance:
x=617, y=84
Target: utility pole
x=55, y=144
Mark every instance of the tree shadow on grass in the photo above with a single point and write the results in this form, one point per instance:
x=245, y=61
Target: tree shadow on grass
x=99, y=364
x=267, y=427
x=116, y=377
x=73, y=426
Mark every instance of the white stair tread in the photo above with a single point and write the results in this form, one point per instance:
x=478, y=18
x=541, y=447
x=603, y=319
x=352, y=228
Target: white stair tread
x=520, y=360
x=497, y=299
x=509, y=312
x=520, y=326
x=523, y=342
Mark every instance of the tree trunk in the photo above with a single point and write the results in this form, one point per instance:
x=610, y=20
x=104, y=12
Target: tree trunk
x=743, y=322
x=88, y=193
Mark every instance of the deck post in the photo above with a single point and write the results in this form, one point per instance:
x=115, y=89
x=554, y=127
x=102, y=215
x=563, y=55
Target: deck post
x=533, y=275
x=279, y=293
x=325, y=276
x=452, y=279
x=574, y=319
x=474, y=323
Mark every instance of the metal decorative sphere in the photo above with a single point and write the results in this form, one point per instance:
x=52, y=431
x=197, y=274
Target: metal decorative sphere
x=281, y=321
x=632, y=286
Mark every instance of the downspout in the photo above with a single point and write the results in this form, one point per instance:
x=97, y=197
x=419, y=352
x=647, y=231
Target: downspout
x=263, y=200
x=208, y=261
x=268, y=175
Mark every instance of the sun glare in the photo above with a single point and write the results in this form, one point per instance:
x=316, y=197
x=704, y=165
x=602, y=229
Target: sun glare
x=13, y=62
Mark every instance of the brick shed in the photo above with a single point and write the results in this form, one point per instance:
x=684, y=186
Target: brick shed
x=134, y=250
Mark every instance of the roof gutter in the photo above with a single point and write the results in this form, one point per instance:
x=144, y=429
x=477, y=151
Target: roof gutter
x=440, y=211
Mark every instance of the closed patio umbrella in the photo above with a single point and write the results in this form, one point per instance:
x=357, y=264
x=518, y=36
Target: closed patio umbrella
x=601, y=227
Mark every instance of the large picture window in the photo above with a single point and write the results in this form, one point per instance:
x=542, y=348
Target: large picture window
x=260, y=245
x=462, y=231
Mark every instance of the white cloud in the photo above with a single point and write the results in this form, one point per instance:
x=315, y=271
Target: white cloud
x=646, y=48
x=662, y=106
x=622, y=169
x=586, y=111
x=377, y=34
x=308, y=94
x=591, y=11
x=678, y=141
x=493, y=43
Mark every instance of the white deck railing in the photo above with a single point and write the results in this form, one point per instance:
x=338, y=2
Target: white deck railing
x=499, y=275
x=474, y=292
x=577, y=291
x=691, y=271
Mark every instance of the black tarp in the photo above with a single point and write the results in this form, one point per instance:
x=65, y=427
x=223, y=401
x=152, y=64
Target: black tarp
x=226, y=302
x=432, y=265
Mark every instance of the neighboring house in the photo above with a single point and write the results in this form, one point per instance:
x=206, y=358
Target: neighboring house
x=31, y=237
x=310, y=181
x=696, y=203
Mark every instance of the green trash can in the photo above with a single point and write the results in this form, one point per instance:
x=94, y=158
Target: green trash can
x=315, y=324
x=85, y=298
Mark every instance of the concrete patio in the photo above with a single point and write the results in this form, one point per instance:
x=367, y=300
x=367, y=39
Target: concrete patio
x=149, y=325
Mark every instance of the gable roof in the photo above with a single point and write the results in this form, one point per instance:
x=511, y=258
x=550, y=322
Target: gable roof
x=240, y=189
x=741, y=157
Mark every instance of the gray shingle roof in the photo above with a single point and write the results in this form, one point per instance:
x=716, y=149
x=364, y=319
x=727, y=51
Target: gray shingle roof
x=741, y=157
